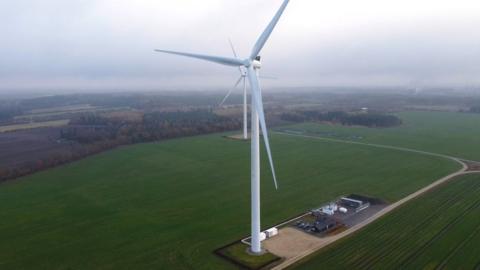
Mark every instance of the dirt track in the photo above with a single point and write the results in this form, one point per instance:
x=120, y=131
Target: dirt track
x=294, y=257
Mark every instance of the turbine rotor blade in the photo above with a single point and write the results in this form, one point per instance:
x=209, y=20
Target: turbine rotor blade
x=234, y=54
x=268, y=77
x=233, y=48
x=215, y=59
x=230, y=91
x=267, y=32
x=258, y=103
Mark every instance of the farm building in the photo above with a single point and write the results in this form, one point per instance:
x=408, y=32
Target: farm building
x=327, y=209
x=271, y=232
x=323, y=224
x=357, y=205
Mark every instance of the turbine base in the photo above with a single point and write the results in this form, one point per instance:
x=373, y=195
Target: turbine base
x=250, y=252
x=238, y=137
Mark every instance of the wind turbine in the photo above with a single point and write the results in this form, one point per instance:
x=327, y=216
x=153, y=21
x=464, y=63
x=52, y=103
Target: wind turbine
x=252, y=67
x=243, y=77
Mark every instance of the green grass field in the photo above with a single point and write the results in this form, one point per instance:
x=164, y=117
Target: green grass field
x=439, y=230
x=456, y=134
x=169, y=205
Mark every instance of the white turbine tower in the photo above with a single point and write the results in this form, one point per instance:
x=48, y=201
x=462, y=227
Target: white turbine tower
x=252, y=66
x=243, y=77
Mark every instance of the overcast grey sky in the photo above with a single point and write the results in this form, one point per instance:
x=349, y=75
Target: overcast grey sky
x=108, y=44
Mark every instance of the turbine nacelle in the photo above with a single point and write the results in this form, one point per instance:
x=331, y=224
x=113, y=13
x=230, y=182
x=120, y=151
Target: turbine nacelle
x=256, y=64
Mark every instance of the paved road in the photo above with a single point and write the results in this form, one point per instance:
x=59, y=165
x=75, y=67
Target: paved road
x=328, y=240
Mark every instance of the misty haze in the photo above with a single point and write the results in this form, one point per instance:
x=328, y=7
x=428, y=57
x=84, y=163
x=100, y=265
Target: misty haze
x=249, y=134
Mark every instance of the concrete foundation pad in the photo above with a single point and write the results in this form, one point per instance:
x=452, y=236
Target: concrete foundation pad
x=238, y=137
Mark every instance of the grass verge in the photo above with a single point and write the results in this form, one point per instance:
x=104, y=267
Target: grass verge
x=237, y=254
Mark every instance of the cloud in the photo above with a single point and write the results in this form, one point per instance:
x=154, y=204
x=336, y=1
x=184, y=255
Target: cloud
x=109, y=43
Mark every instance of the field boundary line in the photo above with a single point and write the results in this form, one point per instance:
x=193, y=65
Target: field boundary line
x=384, y=146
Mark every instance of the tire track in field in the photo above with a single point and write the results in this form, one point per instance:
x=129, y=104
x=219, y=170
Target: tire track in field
x=384, y=146
x=459, y=247
x=418, y=227
x=439, y=234
x=395, y=245
x=388, y=209
x=473, y=185
x=366, y=263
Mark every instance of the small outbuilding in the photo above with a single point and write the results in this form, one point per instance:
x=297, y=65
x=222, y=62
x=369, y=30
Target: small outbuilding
x=271, y=232
x=324, y=225
x=357, y=205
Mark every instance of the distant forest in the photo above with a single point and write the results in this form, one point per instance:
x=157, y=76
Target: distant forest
x=99, y=122
x=92, y=133
x=8, y=111
x=475, y=109
x=339, y=117
x=92, y=128
x=145, y=102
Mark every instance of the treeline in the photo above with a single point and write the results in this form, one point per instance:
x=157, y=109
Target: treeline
x=92, y=133
x=141, y=101
x=344, y=118
x=8, y=111
x=53, y=160
x=475, y=109
x=92, y=128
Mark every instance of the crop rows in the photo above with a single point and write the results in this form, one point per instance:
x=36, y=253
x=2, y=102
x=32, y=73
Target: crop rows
x=438, y=230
